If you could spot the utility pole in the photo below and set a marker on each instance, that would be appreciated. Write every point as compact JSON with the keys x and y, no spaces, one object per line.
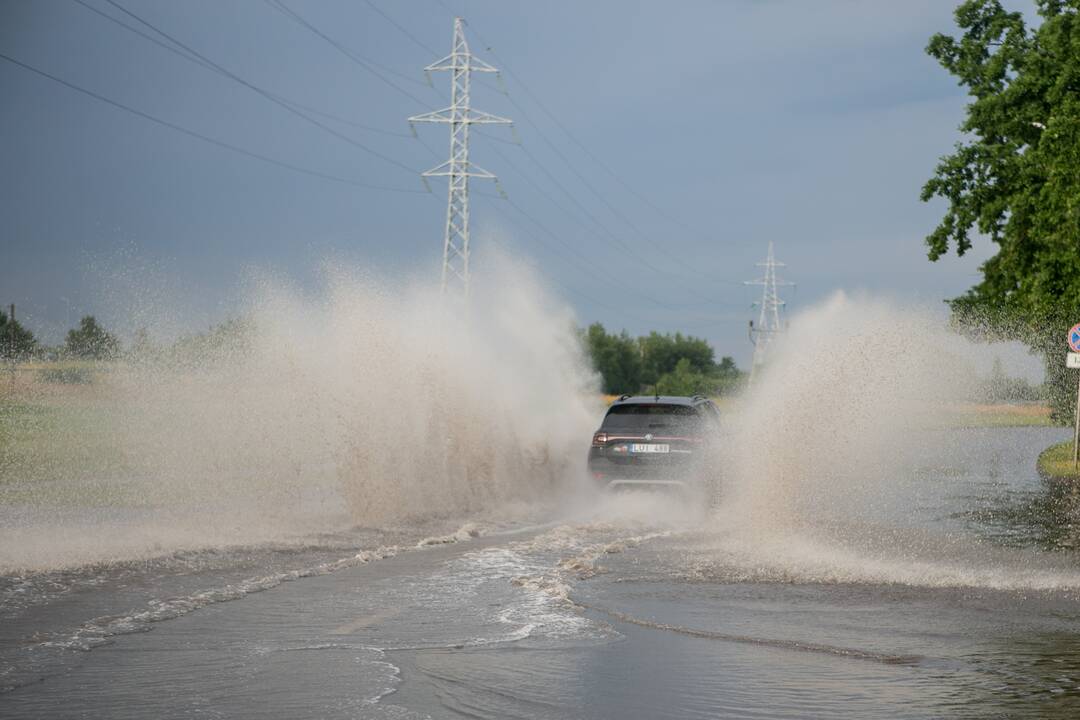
{"x":768,"y":326}
{"x":459,"y":116}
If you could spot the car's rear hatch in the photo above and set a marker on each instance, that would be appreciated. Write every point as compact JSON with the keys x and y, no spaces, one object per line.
{"x":646,"y":442}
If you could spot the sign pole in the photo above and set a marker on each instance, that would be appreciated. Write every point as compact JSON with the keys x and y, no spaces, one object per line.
{"x":1076,"y":430}
{"x":1073,"y":361}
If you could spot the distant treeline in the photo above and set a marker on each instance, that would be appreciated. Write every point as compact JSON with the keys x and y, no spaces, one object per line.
{"x":672,"y":364}
{"x":91,"y":341}
{"x":669,"y":364}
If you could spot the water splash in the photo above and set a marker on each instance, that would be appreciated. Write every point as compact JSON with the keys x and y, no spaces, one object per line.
{"x":365,"y":403}
{"x":840,"y":467}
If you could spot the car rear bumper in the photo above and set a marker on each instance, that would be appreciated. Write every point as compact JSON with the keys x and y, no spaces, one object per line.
{"x":678,"y":471}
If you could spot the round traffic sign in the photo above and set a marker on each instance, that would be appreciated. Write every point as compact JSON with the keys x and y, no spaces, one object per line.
{"x":1074,"y":338}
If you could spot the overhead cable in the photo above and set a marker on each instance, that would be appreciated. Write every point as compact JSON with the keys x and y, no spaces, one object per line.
{"x":197,"y":61}
{"x":266,"y":94}
{"x":351,"y":55}
{"x":205,"y":138}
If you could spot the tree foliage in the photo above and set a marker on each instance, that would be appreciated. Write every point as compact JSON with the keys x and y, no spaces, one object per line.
{"x":1016,"y":175}
{"x":685,"y":379}
{"x":15,"y":340}
{"x":727,"y":376}
{"x":660,"y":354}
{"x":669,"y":364}
{"x":91,"y":341}
{"x":616,"y":358}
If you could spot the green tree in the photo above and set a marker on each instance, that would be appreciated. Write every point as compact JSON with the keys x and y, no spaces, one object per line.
{"x":91,"y":341}
{"x":15,"y":340}
{"x":1016,"y":176}
{"x":685,"y":379}
{"x":615,"y":357}
{"x":727,"y":376}
{"x":660,"y":354}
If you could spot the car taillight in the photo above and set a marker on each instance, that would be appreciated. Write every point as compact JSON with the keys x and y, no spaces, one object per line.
{"x":599,"y":439}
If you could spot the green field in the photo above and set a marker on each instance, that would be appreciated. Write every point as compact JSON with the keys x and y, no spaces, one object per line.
{"x":977,"y":415}
{"x":59,"y":442}
{"x":62,"y":441}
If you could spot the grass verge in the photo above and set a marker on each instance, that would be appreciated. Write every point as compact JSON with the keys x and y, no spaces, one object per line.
{"x":1056,"y":462}
{"x":980,"y":415}
{"x":60,"y":449}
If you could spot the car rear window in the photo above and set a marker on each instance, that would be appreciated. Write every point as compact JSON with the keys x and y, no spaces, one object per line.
{"x":652,"y":416}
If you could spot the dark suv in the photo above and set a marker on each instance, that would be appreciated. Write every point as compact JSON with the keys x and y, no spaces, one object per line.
{"x":654,"y":441}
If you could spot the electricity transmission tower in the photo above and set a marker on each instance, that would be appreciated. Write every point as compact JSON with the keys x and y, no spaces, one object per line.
{"x":459,"y":116}
{"x":768,"y":327}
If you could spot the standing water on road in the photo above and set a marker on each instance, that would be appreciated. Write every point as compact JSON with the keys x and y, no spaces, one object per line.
{"x":865,"y":557}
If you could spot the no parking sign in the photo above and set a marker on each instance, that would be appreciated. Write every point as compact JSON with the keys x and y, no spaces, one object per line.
{"x":1072,"y":360}
{"x":1074,"y":338}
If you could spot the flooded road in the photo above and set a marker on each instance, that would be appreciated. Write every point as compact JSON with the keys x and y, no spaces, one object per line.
{"x":955,"y":592}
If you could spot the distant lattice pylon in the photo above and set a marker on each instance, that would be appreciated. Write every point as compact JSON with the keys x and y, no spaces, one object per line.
{"x":768,"y":327}
{"x":459,"y":116}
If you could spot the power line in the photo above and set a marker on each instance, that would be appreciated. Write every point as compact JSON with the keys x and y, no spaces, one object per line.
{"x":543,"y":193}
{"x":585,"y":262}
{"x":603,"y":228}
{"x":195,"y":60}
{"x":583,"y":295}
{"x":449,"y":11}
{"x":605,"y":232}
{"x":147,"y":36}
{"x":204,"y":138}
{"x":503,"y":141}
{"x":338,"y":118}
{"x":576,"y":219}
{"x":403,"y":31}
{"x":409,"y":35}
{"x":266,"y":94}
{"x":584,"y":148}
{"x":363,"y":62}
{"x":615,"y":211}
{"x":618,"y":213}
{"x":417,"y":42}
{"x":596,"y":222}
{"x":708,"y":323}
{"x":351,"y":54}
{"x":582,"y":267}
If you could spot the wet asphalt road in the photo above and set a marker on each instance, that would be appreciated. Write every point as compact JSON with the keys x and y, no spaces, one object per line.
{"x":968,"y":605}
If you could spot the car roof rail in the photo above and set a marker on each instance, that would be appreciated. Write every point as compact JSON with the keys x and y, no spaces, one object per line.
{"x":624,"y":396}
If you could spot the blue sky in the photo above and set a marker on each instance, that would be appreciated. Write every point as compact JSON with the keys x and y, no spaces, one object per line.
{"x":810,"y":123}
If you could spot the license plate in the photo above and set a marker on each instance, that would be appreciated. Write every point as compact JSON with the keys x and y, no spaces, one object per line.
{"x":649,"y":448}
